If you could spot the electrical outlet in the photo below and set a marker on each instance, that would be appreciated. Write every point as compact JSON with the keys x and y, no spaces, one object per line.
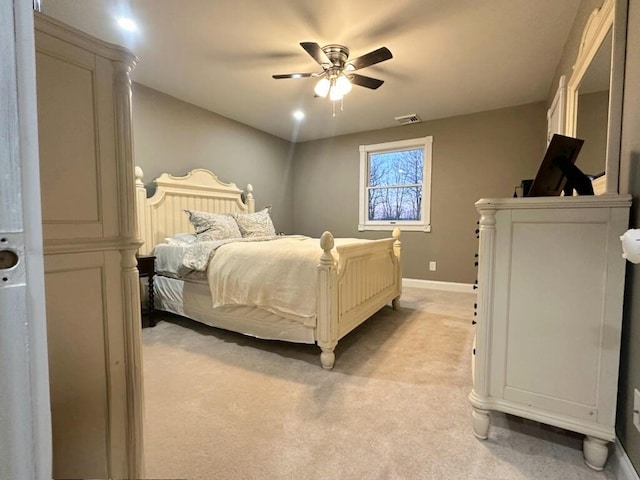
{"x":432,"y":266}
{"x":636,"y":408}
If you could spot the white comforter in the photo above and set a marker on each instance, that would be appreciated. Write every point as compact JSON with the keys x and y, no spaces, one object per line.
{"x":279,"y":275}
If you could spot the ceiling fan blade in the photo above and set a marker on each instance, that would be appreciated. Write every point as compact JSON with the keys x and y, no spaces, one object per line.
{"x":364,"y":81}
{"x":371,"y":58}
{"x":313,"y":49}
{"x":292,"y":75}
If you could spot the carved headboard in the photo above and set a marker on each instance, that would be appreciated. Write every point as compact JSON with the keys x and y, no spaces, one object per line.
{"x":162,"y":214}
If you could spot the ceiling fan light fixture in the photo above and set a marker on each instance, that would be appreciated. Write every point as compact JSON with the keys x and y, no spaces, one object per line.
{"x":322,"y":87}
{"x":335,"y":93}
{"x":343,"y":84}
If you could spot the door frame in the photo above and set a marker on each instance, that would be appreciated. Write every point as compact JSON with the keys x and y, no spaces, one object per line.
{"x":25,"y":418}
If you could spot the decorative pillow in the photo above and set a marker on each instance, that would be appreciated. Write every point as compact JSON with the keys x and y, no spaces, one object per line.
{"x":213,"y":226}
{"x":257,"y":224}
{"x":181,"y":239}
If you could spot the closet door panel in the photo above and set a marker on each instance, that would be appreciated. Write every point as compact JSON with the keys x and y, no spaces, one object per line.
{"x":69,"y":161}
{"x":77,"y":142}
{"x":77,"y":352}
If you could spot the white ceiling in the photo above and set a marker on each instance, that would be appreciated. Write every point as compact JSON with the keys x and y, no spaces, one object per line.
{"x":451,"y":57}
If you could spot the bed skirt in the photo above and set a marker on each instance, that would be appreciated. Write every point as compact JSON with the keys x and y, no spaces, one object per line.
{"x":193,"y":300}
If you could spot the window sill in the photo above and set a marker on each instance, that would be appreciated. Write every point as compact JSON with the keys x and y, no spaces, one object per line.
{"x":403,"y":228}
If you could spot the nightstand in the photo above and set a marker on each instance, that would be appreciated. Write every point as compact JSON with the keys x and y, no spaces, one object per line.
{"x":147,"y":268}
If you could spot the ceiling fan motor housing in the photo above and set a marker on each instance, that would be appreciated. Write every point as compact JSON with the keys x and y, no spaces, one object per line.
{"x":337,"y":54}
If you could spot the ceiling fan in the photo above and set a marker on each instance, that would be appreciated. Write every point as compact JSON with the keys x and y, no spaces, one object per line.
{"x":337,"y":77}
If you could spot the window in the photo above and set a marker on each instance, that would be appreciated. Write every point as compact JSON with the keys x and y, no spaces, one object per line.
{"x":395,"y":185}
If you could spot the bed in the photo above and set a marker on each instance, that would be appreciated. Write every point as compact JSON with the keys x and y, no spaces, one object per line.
{"x":352,"y":278}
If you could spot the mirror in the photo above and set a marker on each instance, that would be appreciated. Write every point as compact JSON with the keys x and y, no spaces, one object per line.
{"x":588,"y":99}
{"x":593,"y":110}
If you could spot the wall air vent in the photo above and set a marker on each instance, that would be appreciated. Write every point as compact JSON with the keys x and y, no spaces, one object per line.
{"x":407,"y":119}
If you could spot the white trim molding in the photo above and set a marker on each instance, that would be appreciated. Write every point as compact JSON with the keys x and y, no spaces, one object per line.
{"x":556,"y":115}
{"x":437,"y":285}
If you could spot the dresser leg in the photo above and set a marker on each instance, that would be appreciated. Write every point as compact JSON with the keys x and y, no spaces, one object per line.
{"x":481,"y":422}
{"x":595,"y":452}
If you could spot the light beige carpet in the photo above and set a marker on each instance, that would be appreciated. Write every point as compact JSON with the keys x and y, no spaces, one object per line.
{"x":224,"y":406}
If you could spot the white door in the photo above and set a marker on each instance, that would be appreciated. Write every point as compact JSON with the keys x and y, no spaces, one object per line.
{"x":25,"y":420}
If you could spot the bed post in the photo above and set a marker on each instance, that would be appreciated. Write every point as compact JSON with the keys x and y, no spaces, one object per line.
{"x":141,"y":212}
{"x":249,"y":200}
{"x":397,"y":248}
{"x":327,"y":327}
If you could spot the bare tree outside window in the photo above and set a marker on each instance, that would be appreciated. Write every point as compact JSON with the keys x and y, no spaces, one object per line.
{"x":395,"y":185}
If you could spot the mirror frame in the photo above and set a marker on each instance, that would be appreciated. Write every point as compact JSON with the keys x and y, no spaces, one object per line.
{"x":556,"y":115}
{"x":611,"y":16}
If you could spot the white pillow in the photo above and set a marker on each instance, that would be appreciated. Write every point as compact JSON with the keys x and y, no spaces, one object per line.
{"x":253,"y":225}
{"x":213,"y":226}
{"x":181,"y":239}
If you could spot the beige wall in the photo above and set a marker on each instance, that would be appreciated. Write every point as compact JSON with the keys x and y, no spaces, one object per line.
{"x":630,"y":183}
{"x":481,"y":155}
{"x":313,"y":186}
{"x":173,"y":136}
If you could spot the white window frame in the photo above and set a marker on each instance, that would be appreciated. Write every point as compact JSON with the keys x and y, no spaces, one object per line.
{"x":424,"y":225}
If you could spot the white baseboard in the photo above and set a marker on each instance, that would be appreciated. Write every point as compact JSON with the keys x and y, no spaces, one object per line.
{"x":621,"y":465}
{"x":436,"y":285}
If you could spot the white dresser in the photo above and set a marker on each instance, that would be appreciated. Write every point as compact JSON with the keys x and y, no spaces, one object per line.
{"x":549,"y":314}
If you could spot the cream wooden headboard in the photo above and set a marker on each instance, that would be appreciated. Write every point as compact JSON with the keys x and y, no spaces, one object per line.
{"x":599,"y":185}
{"x":162,"y":215}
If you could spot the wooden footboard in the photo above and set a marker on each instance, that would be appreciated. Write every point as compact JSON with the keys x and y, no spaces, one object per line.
{"x":364,"y":278}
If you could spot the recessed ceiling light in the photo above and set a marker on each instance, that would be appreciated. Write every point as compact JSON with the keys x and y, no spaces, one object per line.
{"x":298,"y":114}
{"x":127,"y":24}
